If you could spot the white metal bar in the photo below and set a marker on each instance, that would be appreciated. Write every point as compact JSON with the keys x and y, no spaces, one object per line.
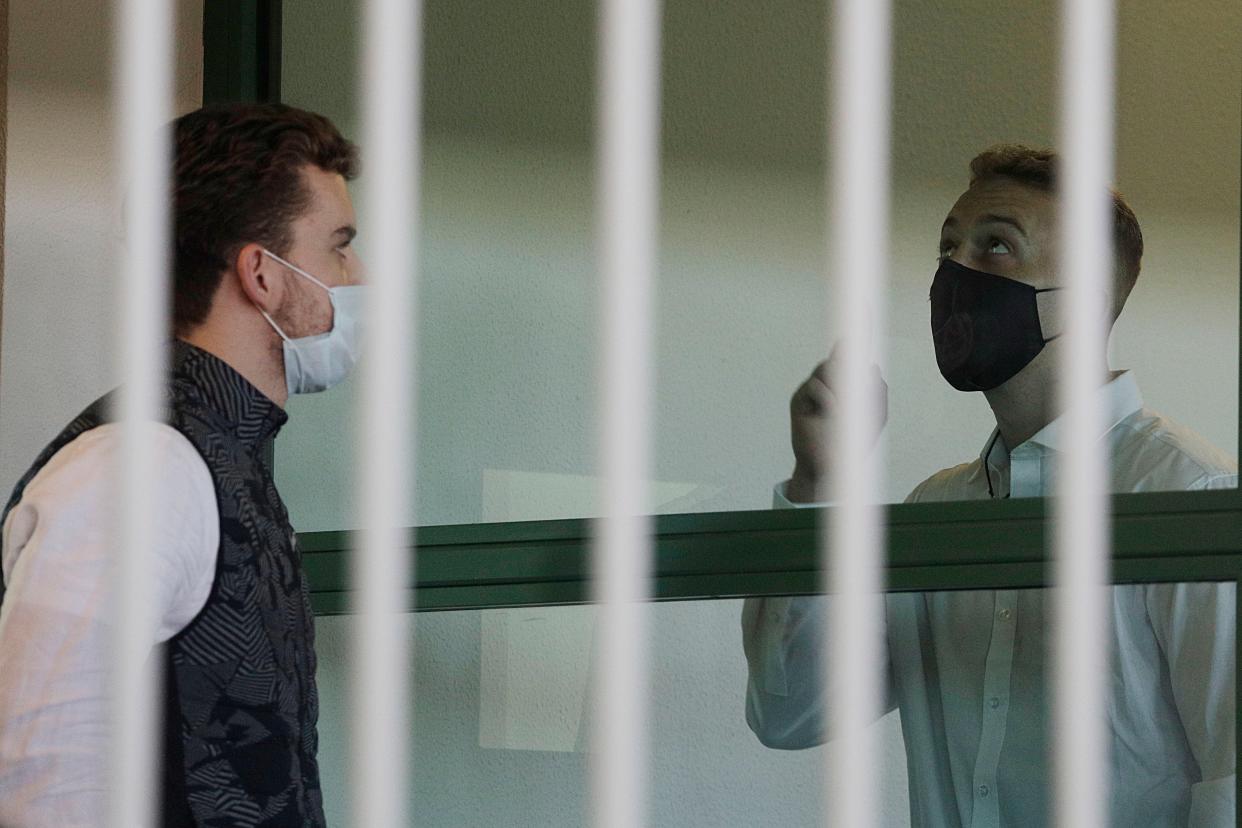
{"x":143,"y":89}
{"x":628,"y":206}
{"x":1081,"y":597}
{"x":380,"y":697}
{"x":852,"y":544}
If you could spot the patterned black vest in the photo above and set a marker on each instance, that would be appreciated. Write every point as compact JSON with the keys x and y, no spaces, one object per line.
{"x":240,"y":678}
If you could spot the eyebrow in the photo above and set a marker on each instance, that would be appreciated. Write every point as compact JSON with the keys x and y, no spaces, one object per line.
{"x":988,"y":218}
{"x":348,"y":231}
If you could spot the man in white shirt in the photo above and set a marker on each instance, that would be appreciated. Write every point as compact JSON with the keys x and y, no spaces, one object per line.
{"x":265,"y":305}
{"x":966,"y":669}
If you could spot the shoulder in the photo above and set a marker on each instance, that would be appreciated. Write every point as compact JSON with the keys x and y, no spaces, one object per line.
{"x":94,"y":451}
{"x":56,"y":542}
{"x":952,"y":483}
{"x":80,"y":480}
{"x":1153,"y":453}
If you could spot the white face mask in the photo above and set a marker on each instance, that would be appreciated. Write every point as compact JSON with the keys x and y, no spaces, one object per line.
{"x":316,"y":363}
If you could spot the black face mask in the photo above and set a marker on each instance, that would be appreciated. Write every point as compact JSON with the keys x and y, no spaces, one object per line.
{"x":985,"y":327}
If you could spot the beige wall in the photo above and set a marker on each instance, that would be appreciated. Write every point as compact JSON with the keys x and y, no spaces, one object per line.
{"x":61,"y":213}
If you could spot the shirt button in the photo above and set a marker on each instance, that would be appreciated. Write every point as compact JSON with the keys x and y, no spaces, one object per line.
{"x":984,"y":790}
{"x":994,"y":702}
{"x":1004,"y":614}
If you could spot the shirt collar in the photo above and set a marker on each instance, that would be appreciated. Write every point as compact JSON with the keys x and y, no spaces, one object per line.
{"x":1119,"y":398}
{"x":252,"y":416}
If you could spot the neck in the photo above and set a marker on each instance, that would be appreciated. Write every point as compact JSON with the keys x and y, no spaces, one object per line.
{"x":1030,"y":400}
{"x":1020,"y":412}
{"x":249,"y":353}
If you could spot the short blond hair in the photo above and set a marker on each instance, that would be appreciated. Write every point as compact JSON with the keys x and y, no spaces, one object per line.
{"x":1037,"y":168}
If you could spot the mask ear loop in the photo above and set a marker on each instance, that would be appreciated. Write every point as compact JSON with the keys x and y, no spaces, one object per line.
{"x":296,"y":270}
{"x":987,"y":456}
{"x":1047,"y":290}
{"x":271,"y":322}
{"x":302,"y":272}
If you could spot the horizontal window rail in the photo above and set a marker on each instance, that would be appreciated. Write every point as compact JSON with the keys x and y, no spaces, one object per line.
{"x":1166,"y":536}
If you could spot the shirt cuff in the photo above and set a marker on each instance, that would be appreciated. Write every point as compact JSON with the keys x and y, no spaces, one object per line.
{"x":780,"y":501}
{"x":1211,"y":803}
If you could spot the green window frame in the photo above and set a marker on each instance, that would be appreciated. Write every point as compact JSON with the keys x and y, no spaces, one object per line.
{"x":1184,"y":536}
{"x":1157,"y":537}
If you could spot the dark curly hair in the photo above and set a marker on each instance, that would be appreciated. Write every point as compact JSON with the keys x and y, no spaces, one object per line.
{"x":1037,"y":168}
{"x":237,"y":180}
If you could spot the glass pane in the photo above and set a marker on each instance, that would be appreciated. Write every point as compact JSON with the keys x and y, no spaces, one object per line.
{"x":503,"y":715}
{"x":502,"y":711}
{"x":969,"y":75}
{"x":506,"y":329}
{"x":968,"y":676}
{"x":508,"y":319}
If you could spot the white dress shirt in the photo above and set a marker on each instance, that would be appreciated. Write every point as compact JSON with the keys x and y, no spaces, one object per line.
{"x":966,"y":669}
{"x":55,"y":634}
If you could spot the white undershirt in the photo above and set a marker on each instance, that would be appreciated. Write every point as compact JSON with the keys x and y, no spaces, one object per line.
{"x":54,"y":622}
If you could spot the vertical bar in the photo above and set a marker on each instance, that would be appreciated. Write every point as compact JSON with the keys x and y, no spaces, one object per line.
{"x":1237,"y":688}
{"x":380,"y":701}
{"x":270,"y":62}
{"x":852,"y":545}
{"x":1081,"y":597}
{"x":143,"y":62}
{"x":627,"y":215}
{"x":4,"y":143}
{"x":241,"y":50}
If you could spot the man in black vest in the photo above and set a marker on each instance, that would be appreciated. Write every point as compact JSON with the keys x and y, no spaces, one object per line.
{"x":265,"y":305}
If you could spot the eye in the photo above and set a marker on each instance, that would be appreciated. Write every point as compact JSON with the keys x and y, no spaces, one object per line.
{"x":998,"y":247}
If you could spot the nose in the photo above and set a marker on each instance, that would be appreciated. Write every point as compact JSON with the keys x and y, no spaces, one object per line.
{"x":355,"y":270}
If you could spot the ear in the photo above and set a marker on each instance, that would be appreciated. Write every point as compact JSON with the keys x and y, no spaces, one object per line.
{"x":258,"y":277}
